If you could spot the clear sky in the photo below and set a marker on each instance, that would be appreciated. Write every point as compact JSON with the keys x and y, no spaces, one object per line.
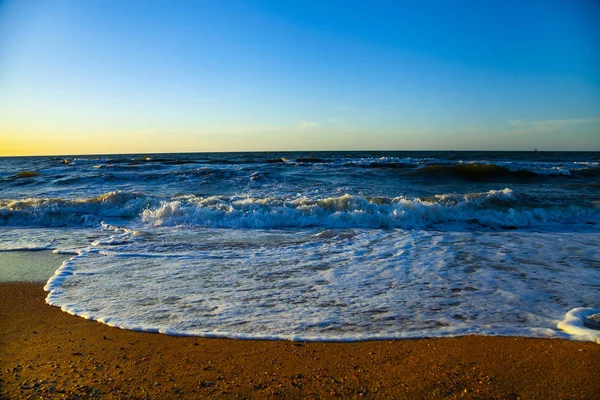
{"x":115,"y":76}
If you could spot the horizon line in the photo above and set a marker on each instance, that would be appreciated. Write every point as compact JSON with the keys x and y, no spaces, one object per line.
{"x":297,"y":151}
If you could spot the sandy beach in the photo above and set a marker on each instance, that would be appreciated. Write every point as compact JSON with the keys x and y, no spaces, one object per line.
{"x":46,"y":353}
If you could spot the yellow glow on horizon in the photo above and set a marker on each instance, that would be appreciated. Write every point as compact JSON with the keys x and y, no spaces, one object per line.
{"x":56,"y":144}
{"x":297,"y":136}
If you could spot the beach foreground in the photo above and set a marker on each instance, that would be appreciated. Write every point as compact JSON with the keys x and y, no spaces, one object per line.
{"x":45,"y":352}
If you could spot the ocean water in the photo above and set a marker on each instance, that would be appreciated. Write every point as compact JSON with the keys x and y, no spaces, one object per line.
{"x":336,"y":246}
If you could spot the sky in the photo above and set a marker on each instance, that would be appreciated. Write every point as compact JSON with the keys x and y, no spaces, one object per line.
{"x":113,"y":76}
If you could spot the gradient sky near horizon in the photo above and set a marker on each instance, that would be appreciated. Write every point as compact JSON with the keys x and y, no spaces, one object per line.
{"x":113,"y":76}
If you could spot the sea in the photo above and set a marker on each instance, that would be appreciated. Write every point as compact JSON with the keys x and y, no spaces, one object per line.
{"x":316,"y":246}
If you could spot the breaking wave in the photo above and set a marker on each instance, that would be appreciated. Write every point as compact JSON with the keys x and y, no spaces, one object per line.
{"x":496,"y":208}
{"x":492,"y":209}
{"x":72,"y":212}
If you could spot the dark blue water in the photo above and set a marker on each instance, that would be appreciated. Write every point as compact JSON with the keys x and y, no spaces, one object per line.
{"x":565,"y":183}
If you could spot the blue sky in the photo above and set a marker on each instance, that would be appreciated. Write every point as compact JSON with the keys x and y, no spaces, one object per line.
{"x":156,"y":76}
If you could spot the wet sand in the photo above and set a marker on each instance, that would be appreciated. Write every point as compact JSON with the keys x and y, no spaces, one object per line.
{"x":46,"y":353}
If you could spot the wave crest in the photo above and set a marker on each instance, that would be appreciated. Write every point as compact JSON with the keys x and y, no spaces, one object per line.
{"x":496,"y":208}
{"x":492,"y":209}
{"x":72,"y":212}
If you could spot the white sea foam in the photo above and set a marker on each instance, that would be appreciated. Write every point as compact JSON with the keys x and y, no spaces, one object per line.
{"x":340,"y":285}
{"x":72,"y":212}
{"x":573,"y":324}
{"x":495,"y":209}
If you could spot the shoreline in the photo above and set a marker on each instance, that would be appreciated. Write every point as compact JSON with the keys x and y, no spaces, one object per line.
{"x":45,"y":352}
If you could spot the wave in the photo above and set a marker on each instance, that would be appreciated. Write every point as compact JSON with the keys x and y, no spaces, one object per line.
{"x":105,"y":173}
{"x":390,"y":162}
{"x":430,"y":166}
{"x":492,"y":209}
{"x":310,"y":160}
{"x":486,"y":172}
{"x":482,"y":170}
{"x":72,"y":212}
{"x":88,"y":160}
{"x":495,"y":209}
{"x":588,"y":172}
{"x":124,"y":161}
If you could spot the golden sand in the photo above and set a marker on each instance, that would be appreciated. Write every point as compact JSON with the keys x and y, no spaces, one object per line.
{"x":46,"y":353}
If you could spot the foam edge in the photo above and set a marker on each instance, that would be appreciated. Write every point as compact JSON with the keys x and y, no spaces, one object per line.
{"x":573,"y":325}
